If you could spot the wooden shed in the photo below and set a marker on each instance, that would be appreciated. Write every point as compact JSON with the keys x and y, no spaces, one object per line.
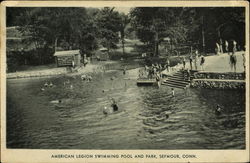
{"x":102,"y":54}
{"x":68,"y":58}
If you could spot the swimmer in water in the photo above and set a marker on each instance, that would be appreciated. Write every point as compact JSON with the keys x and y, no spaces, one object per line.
{"x":105,"y":112}
{"x":46,"y":84}
{"x":114,"y":105}
{"x":50,"y":84}
{"x":218,"y":110}
{"x":56,"y":101}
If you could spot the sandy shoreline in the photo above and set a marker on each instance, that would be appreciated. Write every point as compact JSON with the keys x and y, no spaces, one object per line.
{"x":89,"y":68}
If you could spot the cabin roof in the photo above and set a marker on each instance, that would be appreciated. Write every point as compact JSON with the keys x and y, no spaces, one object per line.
{"x":66,"y":53}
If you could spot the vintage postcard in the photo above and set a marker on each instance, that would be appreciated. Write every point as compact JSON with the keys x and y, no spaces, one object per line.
{"x":124,"y":81}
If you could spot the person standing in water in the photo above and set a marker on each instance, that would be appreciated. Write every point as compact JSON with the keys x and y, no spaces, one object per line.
{"x":173,"y":92}
{"x":218,"y":110}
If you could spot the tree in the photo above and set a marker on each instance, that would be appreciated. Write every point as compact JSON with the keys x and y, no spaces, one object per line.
{"x":108,"y":22}
{"x":154,"y":23}
{"x":125,"y":20}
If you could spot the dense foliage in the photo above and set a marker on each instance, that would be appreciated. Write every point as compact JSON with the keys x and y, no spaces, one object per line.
{"x":90,"y":28}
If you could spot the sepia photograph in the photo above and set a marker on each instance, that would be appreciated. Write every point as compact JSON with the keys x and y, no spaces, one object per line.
{"x":126,"y":78}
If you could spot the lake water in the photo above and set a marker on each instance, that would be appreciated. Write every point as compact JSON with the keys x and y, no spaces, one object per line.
{"x":79,"y":123}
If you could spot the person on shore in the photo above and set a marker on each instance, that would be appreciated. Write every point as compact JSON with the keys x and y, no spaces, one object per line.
{"x":221,"y":43}
{"x":184,"y":62}
{"x":190,"y":61}
{"x":167,"y":65}
{"x":85,"y":61}
{"x":244,"y":62}
{"x":124,"y":70}
{"x":202,"y":62}
{"x":226,"y":46}
{"x":217,"y":48}
{"x":233,"y":62}
{"x":196,"y":59}
{"x":234,"y":46}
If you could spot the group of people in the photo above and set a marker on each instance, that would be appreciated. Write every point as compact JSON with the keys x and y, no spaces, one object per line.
{"x":151,"y":72}
{"x":46,"y":85}
{"x":226,"y":46}
{"x":196,"y":59}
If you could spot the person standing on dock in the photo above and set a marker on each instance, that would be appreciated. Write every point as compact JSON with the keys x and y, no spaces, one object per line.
{"x":167,"y":64}
{"x":158,"y":79}
{"x":184,"y":62}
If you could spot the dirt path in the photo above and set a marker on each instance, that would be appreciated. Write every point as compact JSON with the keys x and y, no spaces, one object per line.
{"x":215,"y":63}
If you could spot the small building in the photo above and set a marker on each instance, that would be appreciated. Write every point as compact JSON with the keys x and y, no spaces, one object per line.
{"x":102,"y":54}
{"x":68,"y":58}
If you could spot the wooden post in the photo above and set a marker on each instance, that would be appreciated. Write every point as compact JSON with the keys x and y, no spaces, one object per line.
{"x":203,"y":36}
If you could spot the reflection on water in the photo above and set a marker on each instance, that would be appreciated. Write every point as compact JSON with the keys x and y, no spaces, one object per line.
{"x":149,"y":118}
